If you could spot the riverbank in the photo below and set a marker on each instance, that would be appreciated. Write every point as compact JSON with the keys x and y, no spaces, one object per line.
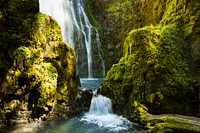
{"x":165,"y":122}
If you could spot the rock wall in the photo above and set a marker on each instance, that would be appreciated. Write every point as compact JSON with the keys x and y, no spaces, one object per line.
{"x":159,"y":42}
{"x":118,"y":18}
{"x":37,"y":69}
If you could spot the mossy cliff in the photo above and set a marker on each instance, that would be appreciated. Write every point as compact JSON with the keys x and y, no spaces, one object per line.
{"x":118,"y":18}
{"x":160,"y":60}
{"x":152,"y":71}
{"x":37,"y":69}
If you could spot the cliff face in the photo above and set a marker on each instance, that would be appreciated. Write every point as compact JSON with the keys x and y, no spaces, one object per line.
{"x":117,"y":19}
{"x":159,"y":42}
{"x":37,"y":69}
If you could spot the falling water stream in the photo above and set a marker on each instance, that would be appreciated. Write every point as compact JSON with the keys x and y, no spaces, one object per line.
{"x":99,"y":118}
{"x":79,"y":33}
{"x":100,"y":112}
{"x":101,"y":115}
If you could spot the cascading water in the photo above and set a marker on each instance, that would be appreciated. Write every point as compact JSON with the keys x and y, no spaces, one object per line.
{"x":101,"y":114}
{"x":100,"y":52}
{"x":78,"y":32}
{"x":100,"y":105}
{"x":99,"y":118}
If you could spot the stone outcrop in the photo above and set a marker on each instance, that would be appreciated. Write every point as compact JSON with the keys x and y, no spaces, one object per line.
{"x":165,"y":122}
{"x":118,"y":18}
{"x":37,"y":69}
{"x":159,"y":64}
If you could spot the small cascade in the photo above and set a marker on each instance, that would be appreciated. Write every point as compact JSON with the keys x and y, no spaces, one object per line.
{"x":99,"y":119}
{"x":78,"y":32}
{"x":101,"y":114}
{"x":100,"y":105}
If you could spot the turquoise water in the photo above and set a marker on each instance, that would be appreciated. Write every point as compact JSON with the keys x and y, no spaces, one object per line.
{"x":99,"y":119}
{"x":79,"y":125}
{"x":91,"y":83}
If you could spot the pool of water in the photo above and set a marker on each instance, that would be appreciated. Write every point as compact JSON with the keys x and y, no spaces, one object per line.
{"x":80,"y":124}
{"x":91,"y":83}
{"x":99,"y":119}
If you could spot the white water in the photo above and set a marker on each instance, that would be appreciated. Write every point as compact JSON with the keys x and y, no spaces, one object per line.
{"x":76,"y":30}
{"x":60,"y":11}
{"x":100,"y":105}
{"x":99,"y":119}
{"x":100,"y":53}
{"x":101,"y":114}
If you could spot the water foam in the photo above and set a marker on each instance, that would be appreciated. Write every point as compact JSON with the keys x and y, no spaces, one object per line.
{"x":77,"y":31}
{"x":101,"y":114}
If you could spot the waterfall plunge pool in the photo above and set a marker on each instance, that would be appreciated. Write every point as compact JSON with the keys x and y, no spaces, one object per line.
{"x":99,"y":119}
{"x":91,"y":83}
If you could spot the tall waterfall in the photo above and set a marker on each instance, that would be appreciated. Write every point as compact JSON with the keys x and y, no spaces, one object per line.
{"x":78,"y":32}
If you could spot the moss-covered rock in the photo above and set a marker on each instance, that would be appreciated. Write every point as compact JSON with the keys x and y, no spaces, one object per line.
{"x":37,"y":69}
{"x":122,"y":16}
{"x":160,"y":55}
{"x":152,"y":71}
{"x":159,"y":66}
{"x":164,"y":122}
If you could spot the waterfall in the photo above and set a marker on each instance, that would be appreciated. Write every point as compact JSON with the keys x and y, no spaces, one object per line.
{"x":100,"y":53}
{"x":101,"y":114}
{"x":77,"y":31}
{"x":100,"y":105}
{"x":60,"y":11}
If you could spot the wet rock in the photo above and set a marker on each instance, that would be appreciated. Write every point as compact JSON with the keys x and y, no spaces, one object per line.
{"x":165,"y":122}
{"x":196,"y":86}
{"x":37,"y":69}
{"x":83,"y":100}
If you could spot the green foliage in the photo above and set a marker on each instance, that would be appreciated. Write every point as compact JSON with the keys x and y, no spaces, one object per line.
{"x":164,"y":122}
{"x":90,"y":16}
{"x":10,"y":41}
{"x":65,"y":65}
{"x":16,"y":6}
{"x":160,"y":53}
{"x":152,"y":70}
{"x":121,"y":15}
{"x":35,"y":63}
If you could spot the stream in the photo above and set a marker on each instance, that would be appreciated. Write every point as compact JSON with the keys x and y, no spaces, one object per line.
{"x":99,"y":118}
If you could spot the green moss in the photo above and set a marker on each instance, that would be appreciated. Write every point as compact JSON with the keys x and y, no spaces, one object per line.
{"x":90,"y":15}
{"x":176,"y":123}
{"x":164,"y":122}
{"x":39,"y":66}
{"x":160,"y":44}
{"x":152,"y":70}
